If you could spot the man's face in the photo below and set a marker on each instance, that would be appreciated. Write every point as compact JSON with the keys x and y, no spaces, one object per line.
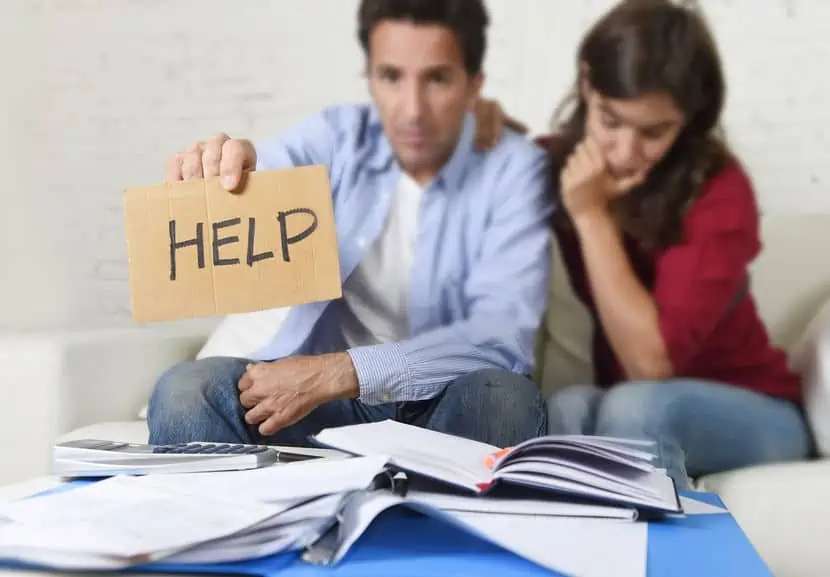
{"x":422,"y":90}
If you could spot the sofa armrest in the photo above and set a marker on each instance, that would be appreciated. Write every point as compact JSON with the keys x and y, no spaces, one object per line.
{"x":56,"y":382}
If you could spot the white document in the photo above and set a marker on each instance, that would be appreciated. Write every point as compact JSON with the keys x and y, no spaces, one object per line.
{"x":279,"y":483}
{"x":204,"y":517}
{"x":272,"y":543}
{"x":199,"y":517}
{"x":583,"y":547}
{"x":437,"y":455}
{"x":358,"y":511}
{"x":573,"y":546}
{"x":294,"y":522}
{"x":49,"y":547}
{"x":263,"y":541}
{"x":493,"y":505}
{"x":120,"y":521}
{"x":695,"y":507}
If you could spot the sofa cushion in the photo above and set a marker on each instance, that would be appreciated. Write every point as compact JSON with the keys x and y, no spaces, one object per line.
{"x":810,"y":356}
{"x":563,"y":352}
{"x":122,"y":431}
{"x":241,"y":335}
{"x":783,"y":510}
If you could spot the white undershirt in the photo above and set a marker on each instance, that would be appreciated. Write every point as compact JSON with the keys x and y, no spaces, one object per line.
{"x":376,"y":295}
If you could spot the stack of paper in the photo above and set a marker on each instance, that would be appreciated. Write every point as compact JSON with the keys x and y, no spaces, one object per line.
{"x":567,"y":545}
{"x":198,"y":518}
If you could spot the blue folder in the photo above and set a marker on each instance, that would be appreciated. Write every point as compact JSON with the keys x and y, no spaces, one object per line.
{"x":401,"y":544}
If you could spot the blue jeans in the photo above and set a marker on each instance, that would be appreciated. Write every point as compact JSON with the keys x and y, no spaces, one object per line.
{"x":700,"y":427}
{"x":199,"y":401}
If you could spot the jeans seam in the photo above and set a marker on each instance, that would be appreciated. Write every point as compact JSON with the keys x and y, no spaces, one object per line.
{"x":542,"y":417}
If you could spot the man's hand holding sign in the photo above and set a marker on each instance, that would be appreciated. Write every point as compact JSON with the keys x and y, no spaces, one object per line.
{"x":219,"y":238}
{"x":222,"y":156}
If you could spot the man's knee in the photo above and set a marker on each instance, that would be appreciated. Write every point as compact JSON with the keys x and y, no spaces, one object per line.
{"x":637,"y":409}
{"x":505,"y":408}
{"x":494,"y":388}
{"x":192,"y":391}
{"x":189,"y":383}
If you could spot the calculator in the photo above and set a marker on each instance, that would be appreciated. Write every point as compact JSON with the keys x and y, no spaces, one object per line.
{"x":101,"y":458}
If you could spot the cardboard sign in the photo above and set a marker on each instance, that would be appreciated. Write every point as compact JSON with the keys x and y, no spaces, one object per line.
{"x":196,"y":249}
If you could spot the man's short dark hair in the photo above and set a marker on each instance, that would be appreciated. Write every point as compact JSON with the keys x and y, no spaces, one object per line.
{"x":468,"y":20}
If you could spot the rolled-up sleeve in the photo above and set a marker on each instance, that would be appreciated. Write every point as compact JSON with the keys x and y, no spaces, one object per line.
{"x":699,"y":279}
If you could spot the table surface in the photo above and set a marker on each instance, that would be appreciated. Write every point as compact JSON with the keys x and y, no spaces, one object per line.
{"x":699,"y":545}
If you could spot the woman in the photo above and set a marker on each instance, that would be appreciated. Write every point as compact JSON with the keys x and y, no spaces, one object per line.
{"x":657,"y":223}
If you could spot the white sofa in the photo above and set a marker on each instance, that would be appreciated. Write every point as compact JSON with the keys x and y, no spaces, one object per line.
{"x":94,"y":383}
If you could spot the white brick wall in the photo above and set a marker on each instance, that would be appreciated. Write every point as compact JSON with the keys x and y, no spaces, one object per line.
{"x":100,"y":92}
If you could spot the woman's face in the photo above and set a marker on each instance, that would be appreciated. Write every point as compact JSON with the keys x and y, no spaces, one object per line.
{"x":634,"y":134}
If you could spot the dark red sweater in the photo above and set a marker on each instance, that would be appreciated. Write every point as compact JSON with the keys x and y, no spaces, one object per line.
{"x":711,"y":327}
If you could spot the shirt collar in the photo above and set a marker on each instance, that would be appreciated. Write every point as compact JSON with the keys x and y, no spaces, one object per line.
{"x":381,"y":155}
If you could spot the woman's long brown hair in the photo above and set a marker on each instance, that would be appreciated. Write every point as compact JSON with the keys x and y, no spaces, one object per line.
{"x":642,"y":47}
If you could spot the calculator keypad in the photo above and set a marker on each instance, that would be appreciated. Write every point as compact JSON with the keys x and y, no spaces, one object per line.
{"x":209,"y":449}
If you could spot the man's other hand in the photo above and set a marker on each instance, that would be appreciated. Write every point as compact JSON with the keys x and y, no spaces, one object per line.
{"x":491,"y":120}
{"x":222,"y":156}
{"x":281,"y":393}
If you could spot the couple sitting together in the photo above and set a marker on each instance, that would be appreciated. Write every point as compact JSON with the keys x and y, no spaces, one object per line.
{"x":445,"y":218}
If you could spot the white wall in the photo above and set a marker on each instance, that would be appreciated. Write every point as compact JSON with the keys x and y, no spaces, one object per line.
{"x":99,"y":92}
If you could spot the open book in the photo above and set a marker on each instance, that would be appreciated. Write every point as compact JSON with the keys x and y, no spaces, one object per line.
{"x":573,"y":467}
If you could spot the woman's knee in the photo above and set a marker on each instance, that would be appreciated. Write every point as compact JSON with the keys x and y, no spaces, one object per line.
{"x":572,"y":410}
{"x":637,"y":409}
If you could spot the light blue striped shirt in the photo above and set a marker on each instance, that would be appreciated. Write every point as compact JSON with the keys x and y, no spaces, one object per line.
{"x":481,"y":266}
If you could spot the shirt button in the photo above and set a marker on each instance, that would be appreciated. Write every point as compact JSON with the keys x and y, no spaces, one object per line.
{"x":386,"y":397}
{"x":361,"y":242}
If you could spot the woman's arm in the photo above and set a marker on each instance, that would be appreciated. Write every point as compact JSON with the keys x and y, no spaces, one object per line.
{"x":626,"y":309}
{"x":657,"y":335}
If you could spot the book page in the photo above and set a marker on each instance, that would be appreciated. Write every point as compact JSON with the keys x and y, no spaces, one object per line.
{"x":664,"y":500}
{"x":539,"y":507}
{"x":600,"y":456}
{"x":568,"y":545}
{"x":695,"y":507}
{"x":280,"y":482}
{"x":448,"y":458}
{"x":639,"y":485}
{"x":581,"y":547}
{"x":294,"y":529}
{"x":122,"y":518}
{"x":359,"y":510}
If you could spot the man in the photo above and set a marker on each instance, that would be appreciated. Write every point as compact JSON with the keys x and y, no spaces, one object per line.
{"x":444,"y":251}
